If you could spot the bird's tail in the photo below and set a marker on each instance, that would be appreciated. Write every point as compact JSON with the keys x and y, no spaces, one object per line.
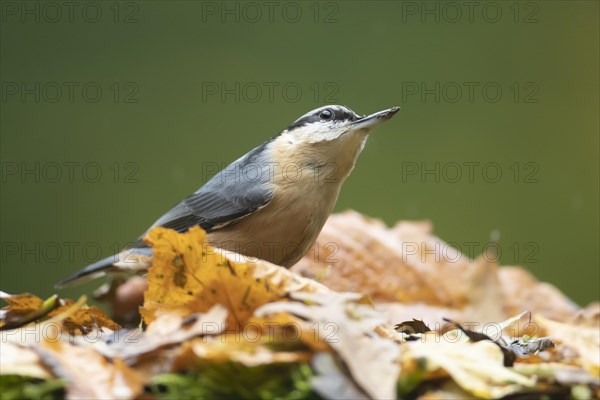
{"x":134,"y":259}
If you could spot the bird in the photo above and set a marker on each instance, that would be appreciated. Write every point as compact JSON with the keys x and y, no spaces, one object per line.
{"x":272,"y":202}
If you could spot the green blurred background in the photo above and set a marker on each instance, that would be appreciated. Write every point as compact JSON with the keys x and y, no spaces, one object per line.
{"x":169,"y":110}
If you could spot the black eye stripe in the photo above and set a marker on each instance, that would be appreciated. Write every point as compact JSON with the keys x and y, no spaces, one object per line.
{"x":339,"y":114}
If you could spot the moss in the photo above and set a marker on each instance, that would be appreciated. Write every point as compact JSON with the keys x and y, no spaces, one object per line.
{"x":235,"y":381}
{"x":22,"y":387}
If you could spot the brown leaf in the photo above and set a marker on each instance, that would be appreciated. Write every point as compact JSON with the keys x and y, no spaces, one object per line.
{"x":349,"y":328}
{"x":24,"y":308}
{"x":407,"y":264}
{"x":410,"y":327}
{"x":167,"y":329}
{"x":88,"y":374}
{"x":585,"y":340}
{"x":523,"y":291}
{"x":83,"y":319}
{"x":362,"y":250}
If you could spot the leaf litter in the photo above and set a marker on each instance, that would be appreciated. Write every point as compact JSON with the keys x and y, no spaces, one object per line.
{"x":385,"y":316}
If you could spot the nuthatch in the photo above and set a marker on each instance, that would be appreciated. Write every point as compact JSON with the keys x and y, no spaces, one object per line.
{"x":272,"y":202}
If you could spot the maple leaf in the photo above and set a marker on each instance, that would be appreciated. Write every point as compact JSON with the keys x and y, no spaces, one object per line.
{"x":188,"y":276}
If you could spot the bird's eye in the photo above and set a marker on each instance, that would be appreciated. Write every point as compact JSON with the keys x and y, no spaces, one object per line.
{"x":326,"y":115}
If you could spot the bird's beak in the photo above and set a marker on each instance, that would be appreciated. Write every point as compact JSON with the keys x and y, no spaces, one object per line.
{"x":370,"y":121}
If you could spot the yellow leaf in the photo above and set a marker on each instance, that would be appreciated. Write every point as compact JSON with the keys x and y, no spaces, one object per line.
{"x":188,"y":276}
{"x":285,"y":328}
{"x":82,"y":319}
{"x":231,"y":348}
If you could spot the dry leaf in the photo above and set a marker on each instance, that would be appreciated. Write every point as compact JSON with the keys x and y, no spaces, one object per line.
{"x":230,"y":347}
{"x":563,"y":373}
{"x":24,"y":308}
{"x":523,"y":291}
{"x":187,"y":276}
{"x":167,"y":329}
{"x":360,"y":250}
{"x":89,"y":374}
{"x":286,"y":329}
{"x":511,"y":348}
{"x":21,"y":360}
{"x":585,"y":340}
{"x":353,"y":252}
{"x":330,"y":382}
{"x":349,"y":328}
{"x":448,"y":390}
{"x":414,"y":326}
{"x":478,"y":368}
{"x":83,"y":319}
{"x":589,"y":316}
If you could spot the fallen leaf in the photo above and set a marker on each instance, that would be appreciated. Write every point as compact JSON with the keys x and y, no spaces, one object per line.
{"x":21,"y":360}
{"x":478,"y":368}
{"x":353,"y":252}
{"x":349,"y":328}
{"x":230,"y":348}
{"x":523,"y":291}
{"x":361,"y":250}
{"x":414,"y":326}
{"x":585,"y":340}
{"x":565,"y":374}
{"x":330,"y":382}
{"x":89,"y":374}
{"x":188,"y":276}
{"x":448,"y":390}
{"x":285,"y":330}
{"x":24,"y":308}
{"x":81,"y":319}
{"x":167,"y":329}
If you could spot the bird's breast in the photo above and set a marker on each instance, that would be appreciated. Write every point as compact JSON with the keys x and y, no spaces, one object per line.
{"x":306,"y":182}
{"x":282,"y":231}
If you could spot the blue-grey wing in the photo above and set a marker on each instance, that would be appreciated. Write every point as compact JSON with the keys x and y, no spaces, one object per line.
{"x":237,"y":191}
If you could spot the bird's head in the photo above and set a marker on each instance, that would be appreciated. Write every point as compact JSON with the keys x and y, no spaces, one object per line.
{"x":333,"y":122}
